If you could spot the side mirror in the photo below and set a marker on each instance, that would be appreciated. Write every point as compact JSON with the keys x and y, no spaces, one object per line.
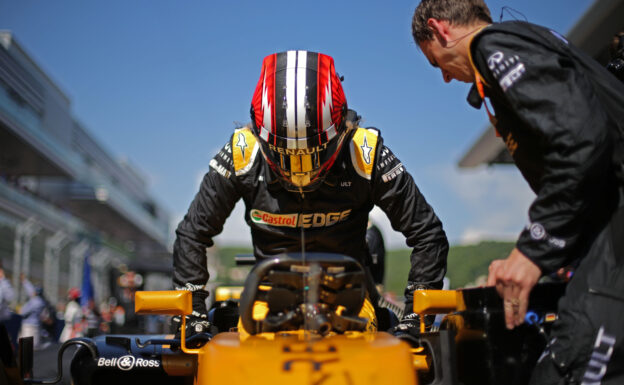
{"x":435,"y":301}
{"x":170,"y":302}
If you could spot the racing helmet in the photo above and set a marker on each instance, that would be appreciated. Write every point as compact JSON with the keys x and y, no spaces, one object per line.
{"x":298,"y":114}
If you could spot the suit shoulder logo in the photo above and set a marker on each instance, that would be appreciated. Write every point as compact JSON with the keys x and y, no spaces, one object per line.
{"x":244,"y":150}
{"x":366,"y":151}
{"x":242,"y":144}
{"x":363,"y":147}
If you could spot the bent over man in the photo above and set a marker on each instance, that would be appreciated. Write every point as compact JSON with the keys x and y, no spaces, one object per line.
{"x":309,"y":175}
{"x":561,"y":116}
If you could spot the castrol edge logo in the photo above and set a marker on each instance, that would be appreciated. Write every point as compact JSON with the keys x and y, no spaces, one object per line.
{"x":128,"y":362}
{"x":299,"y":220}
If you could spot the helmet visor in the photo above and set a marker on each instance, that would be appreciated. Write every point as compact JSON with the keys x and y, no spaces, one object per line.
{"x":302,"y":169}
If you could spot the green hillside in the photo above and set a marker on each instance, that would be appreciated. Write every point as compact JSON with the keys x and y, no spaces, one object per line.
{"x":465,"y":263}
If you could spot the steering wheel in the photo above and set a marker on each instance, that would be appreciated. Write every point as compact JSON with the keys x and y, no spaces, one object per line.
{"x":323,"y":283}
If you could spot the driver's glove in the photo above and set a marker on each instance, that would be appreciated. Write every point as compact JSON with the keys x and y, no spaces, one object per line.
{"x":197,"y":322}
{"x":408,"y":325}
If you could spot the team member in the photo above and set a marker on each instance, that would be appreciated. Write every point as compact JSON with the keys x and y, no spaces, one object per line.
{"x":309,"y":175}
{"x":561,"y":116}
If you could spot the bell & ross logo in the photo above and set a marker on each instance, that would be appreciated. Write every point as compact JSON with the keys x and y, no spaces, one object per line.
{"x":127,"y":362}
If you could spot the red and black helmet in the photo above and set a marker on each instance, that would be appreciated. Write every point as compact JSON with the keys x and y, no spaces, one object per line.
{"x":298,"y":113}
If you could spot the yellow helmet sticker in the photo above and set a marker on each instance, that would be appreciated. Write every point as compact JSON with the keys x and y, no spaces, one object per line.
{"x":301,"y":165}
{"x":244,"y":150}
{"x":363,"y":147}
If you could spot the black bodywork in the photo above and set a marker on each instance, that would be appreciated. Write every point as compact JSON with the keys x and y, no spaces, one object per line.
{"x":473,"y":347}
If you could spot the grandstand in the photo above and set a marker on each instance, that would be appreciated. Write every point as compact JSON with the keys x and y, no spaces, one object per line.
{"x":62,"y":195}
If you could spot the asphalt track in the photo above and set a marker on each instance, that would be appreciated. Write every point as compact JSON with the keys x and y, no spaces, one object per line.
{"x":45,"y":363}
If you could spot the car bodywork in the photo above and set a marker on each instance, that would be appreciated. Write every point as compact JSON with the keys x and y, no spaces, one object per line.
{"x":310,"y":331}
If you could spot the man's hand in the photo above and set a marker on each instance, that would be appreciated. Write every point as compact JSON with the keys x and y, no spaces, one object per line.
{"x":197,"y":321}
{"x":514,"y":278}
{"x":409,"y":325}
{"x":195,"y":324}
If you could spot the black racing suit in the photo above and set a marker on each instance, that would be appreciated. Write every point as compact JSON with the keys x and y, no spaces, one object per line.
{"x":334,"y":216}
{"x":561,"y":116}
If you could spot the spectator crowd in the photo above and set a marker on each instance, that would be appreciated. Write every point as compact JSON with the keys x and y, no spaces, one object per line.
{"x":34,"y":316}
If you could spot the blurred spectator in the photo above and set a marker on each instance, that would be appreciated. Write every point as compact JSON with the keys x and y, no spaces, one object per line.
{"x":119,"y":315}
{"x":49,"y":320}
{"x":91,"y":318}
{"x":7,"y":294}
{"x":28,"y":287}
{"x":106,"y":313}
{"x":8,"y":318}
{"x":31,"y":313}
{"x":72,"y":316}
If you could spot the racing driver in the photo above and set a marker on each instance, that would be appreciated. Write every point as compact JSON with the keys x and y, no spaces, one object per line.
{"x":309,"y":176}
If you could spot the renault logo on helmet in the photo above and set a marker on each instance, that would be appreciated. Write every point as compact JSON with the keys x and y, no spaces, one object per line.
{"x":298,"y":151}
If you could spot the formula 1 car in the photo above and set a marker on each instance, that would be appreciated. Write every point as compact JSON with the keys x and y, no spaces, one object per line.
{"x":301,"y":322}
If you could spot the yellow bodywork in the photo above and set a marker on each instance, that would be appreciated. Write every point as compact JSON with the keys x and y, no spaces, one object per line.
{"x":436,"y":302}
{"x":170,"y":302}
{"x":292,"y":358}
{"x":301,"y":357}
{"x":228,"y":292}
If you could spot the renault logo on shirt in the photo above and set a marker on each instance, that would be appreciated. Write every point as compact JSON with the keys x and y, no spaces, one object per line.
{"x":299,"y":220}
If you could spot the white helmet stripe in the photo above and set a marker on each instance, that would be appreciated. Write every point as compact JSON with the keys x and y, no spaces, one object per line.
{"x":266,"y":106}
{"x":326,"y":108}
{"x":264,"y":134}
{"x":291,"y":102}
{"x":331,"y":132}
{"x":301,"y":97}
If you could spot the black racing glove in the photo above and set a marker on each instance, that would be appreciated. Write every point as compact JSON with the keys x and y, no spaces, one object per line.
{"x":197,"y":322}
{"x":408,"y":325}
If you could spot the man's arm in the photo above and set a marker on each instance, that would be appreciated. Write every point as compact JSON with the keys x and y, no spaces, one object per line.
{"x":398,"y":196}
{"x":213,"y":203}
{"x":29,"y":288}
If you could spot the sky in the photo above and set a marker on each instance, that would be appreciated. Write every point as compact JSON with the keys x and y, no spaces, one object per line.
{"x":162,"y":84}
